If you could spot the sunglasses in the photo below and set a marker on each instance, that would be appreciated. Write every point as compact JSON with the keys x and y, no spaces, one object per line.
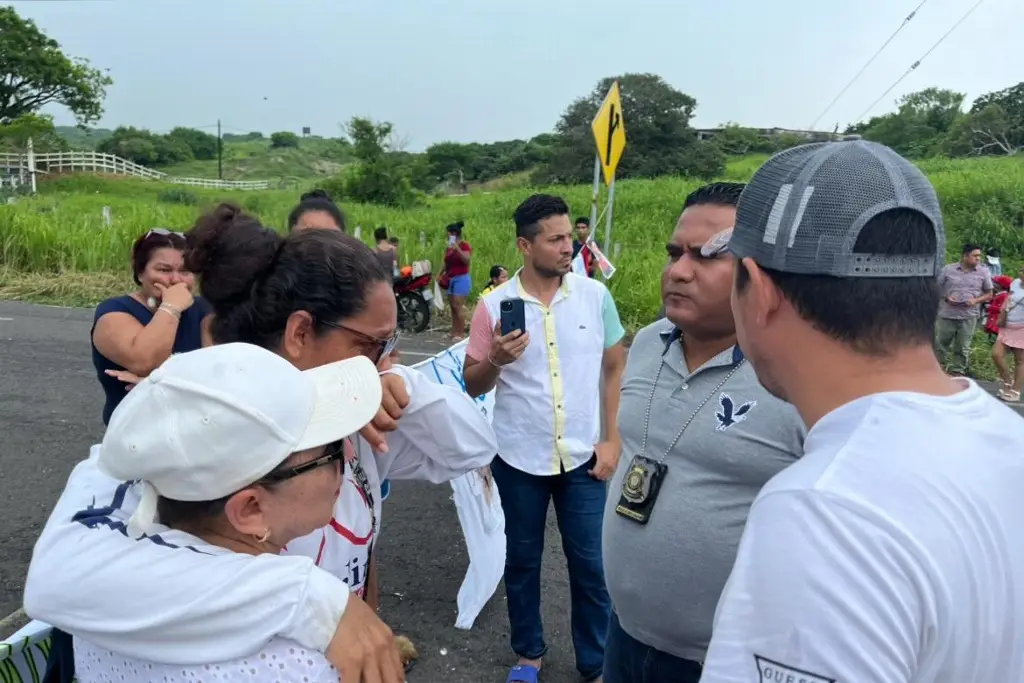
{"x":163,"y":232}
{"x":332,"y":453}
{"x":384,"y":346}
{"x":717,"y":245}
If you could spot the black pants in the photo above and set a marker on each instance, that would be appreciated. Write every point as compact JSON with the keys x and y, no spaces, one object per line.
{"x":60,"y":665}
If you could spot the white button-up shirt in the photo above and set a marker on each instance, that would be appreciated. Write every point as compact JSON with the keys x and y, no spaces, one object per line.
{"x":547,"y":403}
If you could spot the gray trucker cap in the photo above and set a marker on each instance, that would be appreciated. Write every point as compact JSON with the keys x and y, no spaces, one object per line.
{"x":805,"y":207}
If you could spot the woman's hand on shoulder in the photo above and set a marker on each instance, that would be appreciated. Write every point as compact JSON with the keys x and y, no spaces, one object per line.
{"x":129,"y":378}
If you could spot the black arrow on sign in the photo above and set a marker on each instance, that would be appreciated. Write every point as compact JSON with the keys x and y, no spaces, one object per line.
{"x":614,"y":120}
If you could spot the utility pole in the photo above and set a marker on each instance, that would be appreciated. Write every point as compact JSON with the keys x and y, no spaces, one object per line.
{"x":220,"y":153}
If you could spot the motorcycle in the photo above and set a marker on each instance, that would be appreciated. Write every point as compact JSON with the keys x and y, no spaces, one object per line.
{"x":413,"y":296}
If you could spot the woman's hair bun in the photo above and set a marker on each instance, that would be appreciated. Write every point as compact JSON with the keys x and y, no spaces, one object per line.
{"x":315,"y":194}
{"x":229,"y":249}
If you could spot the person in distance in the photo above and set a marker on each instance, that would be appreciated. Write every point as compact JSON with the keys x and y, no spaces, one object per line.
{"x":316,"y":211}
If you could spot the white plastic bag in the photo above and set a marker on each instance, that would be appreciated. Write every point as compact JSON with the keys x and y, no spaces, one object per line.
{"x":483,"y":526}
{"x":477,"y":503}
{"x":437,"y":301}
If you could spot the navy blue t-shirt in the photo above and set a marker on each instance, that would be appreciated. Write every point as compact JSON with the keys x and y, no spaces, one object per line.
{"x":188,"y":338}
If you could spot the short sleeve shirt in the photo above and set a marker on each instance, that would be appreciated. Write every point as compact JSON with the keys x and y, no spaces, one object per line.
{"x":960,"y":284}
{"x":187,"y":338}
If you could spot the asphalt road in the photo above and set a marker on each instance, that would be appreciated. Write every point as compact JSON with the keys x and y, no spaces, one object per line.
{"x":50,"y":406}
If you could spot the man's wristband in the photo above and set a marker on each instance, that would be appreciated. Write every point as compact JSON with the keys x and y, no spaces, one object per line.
{"x":491,"y":361}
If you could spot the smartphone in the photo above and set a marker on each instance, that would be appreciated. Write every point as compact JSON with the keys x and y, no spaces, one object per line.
{"x":513,"y":316}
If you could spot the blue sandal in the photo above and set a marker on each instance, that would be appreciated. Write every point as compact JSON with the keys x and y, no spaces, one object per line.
{"x":523,"y":673}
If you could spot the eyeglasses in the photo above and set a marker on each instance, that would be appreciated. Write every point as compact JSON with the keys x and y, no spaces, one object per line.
{"x":386,"y":346}
{"x":717,"y":245}
{"x":333,"y":452}
{"x":163,"y":232}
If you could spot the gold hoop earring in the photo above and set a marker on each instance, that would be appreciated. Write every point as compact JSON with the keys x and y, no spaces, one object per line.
{"x":264,"y":537}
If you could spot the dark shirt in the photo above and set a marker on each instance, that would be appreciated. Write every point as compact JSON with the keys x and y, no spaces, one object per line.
{"x":188,"y":338}
{"x":387,"y":260}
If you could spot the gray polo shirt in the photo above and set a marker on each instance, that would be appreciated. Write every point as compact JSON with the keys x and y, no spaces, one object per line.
{"x":665,"y":577}
{"x":962,"y":284}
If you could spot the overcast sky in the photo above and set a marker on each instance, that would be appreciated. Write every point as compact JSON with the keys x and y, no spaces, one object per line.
{"x":484,"y":70}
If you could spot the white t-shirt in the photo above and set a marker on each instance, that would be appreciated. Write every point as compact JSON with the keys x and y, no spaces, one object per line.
{"x":892,"y":552}
{"x":1015,"y":304}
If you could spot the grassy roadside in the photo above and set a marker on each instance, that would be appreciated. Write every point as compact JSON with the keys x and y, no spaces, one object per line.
{"x":61,"y":289}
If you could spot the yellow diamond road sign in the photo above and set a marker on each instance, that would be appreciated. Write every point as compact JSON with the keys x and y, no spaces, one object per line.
{"x":610,"y":133}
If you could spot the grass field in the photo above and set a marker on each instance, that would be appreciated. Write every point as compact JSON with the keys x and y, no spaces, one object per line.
{"x":56,"y":248}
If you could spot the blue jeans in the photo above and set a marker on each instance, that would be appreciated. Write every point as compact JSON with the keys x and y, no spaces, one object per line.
{"x":627,"y":660}
{"x":579,"y":508}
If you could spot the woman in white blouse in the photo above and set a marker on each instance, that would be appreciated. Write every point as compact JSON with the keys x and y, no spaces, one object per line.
{"x":243,"y":453}
{"x":313,"y":297}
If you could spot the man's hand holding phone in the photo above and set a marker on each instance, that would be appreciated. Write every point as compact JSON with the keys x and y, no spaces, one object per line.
{"x":507,"y":348}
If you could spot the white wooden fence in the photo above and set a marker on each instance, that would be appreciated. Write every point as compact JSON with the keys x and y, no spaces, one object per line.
{"x":16,"y":169}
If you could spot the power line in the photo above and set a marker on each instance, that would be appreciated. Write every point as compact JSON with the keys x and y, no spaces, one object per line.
{"x":922,"y":58}
{"x":869,"y":62}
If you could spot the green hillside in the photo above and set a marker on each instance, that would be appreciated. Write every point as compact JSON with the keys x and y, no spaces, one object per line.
{"x":244,"y":158}
{"x":315,"y":157}
{"x":83,"y":139}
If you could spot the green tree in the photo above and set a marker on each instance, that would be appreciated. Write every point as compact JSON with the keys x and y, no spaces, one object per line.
{"x":736,"y":140}
{"x":234,"y":137}
{"x":920,"y":124}
{"x":379,"y":176}
{"x":986,"y":132}
{"x":144,"y":147}
{"x":132,"y":144}
{"x":1011,"y":103}
{"x":283,"y":139}
{"x":15,"y":134}
{"x":34,"y":72}
{"x":461,"y":163}
{"x":171,"y":150}
{"x":203,"y":145}
{"x":659,"y":139}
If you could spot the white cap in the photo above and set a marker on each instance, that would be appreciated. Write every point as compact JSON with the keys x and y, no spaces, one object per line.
{"x":210,"y":422}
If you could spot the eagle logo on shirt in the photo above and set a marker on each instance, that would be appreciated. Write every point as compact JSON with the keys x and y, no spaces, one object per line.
{"x":729,"y":414}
